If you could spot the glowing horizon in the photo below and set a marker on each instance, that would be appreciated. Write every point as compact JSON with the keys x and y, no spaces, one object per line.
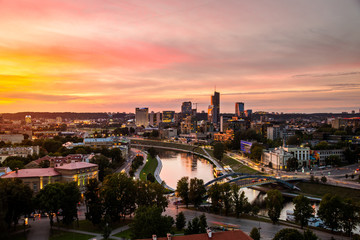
{"x":113,"y":56}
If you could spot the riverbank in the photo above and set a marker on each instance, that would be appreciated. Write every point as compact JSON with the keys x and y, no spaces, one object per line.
{"x":319,"y":190}
{"x":150,"y":167}
{"x":197,"y":150}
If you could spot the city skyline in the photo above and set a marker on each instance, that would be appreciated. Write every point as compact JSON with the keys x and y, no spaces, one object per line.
{"x":104,"y":56}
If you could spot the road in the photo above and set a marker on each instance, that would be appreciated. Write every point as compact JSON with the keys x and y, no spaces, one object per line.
{"x":267,"y":231}
{"x":335,"y":176}
{"x":127,"y":165}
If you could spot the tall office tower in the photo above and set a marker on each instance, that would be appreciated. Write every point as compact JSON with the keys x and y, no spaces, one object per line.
{"x":186,"y":109}
{"x":158,"y":118}
{"x":215,"y":109}
{"x":151,"y":118}
{"x":142,"y":116}
{"x":248,"y":114}
{"x":168,"y":116}
{"x":239,"y":109}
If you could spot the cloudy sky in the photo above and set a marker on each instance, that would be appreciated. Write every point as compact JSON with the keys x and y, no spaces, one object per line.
{"x":115,"y":55}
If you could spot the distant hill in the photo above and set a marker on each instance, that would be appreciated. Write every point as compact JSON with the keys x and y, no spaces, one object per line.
{"x":63,"y":115}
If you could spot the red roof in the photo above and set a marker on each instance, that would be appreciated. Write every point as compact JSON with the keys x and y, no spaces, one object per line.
{"x":226,"y":235}
{"x":34,"y":172}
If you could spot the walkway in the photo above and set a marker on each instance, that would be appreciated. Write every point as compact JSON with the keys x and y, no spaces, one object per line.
{"x":40,"y":229}
{"x":138,"y":171}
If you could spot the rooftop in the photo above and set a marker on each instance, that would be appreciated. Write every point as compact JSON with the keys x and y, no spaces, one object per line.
{"x":76,"y":165}
{"x":35,"y":172}
{"x":227,"y":235}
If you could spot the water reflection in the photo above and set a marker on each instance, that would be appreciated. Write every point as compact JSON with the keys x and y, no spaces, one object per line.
{"x":177,"y":165}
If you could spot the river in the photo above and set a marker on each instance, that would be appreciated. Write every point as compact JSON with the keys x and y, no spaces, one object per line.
{"x":178,"y":164}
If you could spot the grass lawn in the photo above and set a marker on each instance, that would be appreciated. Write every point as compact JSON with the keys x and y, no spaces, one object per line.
{"x":235,"y":165}
{"x":320,"y":190}
{"x":124,"y":234}
{"x":149,"y":167}
{"x":18,"y":236}
{"x":61,"y":235}
{"x":127,"y":233}
{"x":86,"y":225}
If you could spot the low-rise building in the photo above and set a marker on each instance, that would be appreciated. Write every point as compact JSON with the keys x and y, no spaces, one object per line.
{"x":319,"y":156}
{"x":223,"y":235}
{"x":18,"y":152}
{"x":12,"y":138}
{"x":37,"y":178}
{"x":278,"y":157}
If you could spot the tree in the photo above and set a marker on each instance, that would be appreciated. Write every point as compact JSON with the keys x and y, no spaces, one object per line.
{"x":330,"y":211}
{"x":148,"y":221}
{"x":69,"y":202}
{"x":255,"y":233}
{"x":288,"y":234}
{"x":333,"y":160}
{"x":323,"y":179}
{"x":214,"y":193}
{"x":219,"y":150}
{"x":51,"y":145}
{"x":203,"y":223}
{"x":15,"y":200}
{"x":293,"y":140}
{"x":180,"y":221}
{"x":44,"y":164}
{"x":93,"y":202}
{"x":116,"y":156}
{"x":14,"y":164}
{"x":226,"y":197}
{"x":150,"y":177}
{"x":197,"y":225}
{"x":309,"y":235}
{"x":303,"y":210}
{"x":197,"y":191}
{"x":256,"y":152}
{"x":119,"y":195}
{"x":274,"y":204}
{"x":152,"y":152}
{"x":103,"y":164}
{"x":50,"y":199}
{"x":240,"y":200}
{"x":350,"y":216}
{"x":323,"y":145}
{"x":292,"y":164}
{"x":182,"y":189}
{"x":149,"y":194}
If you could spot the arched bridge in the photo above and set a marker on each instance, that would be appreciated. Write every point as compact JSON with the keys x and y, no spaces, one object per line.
{"x":251,"y":180}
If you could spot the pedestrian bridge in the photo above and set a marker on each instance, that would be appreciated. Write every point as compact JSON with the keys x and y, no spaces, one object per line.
{"x":246,"y":180}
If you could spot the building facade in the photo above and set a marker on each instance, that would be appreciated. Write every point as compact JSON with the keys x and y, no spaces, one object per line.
{"x":142,"y":116}
{"x":38,"y":178}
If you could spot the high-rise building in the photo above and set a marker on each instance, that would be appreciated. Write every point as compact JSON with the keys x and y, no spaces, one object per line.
{"x":273,"y":132}
{"x":168,"y":116}
{"x":28,"y":119}
{"x":142,"y":116}
{"x":214,"y":109}
{"x":239,"y":109}
{"x":186,"y":109}
{"x":151,"y":118}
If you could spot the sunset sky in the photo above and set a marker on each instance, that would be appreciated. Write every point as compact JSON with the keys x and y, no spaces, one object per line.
{"x":115,"y":55}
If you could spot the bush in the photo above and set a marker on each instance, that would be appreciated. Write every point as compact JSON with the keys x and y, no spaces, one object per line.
{"x":288,"y":234}
{"x":255,"y":234}
{"x":323,"y":179}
